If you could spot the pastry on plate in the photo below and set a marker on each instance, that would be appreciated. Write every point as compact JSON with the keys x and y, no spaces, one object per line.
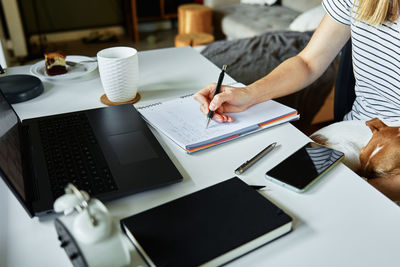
{"x":55,"y":63}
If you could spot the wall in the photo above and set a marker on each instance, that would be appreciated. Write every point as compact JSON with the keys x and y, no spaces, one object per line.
{"x":46,"y":16}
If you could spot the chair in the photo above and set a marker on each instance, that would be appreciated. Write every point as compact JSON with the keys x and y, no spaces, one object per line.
{"x":344,"y":86}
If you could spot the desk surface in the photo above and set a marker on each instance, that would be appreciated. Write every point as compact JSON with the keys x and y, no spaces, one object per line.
{"x":340,"y":221}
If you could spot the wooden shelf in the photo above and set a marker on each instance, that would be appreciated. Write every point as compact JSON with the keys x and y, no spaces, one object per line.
{"x":133,"y":18}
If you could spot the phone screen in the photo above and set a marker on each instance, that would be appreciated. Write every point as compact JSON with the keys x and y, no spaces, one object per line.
{"x":305,"y":166}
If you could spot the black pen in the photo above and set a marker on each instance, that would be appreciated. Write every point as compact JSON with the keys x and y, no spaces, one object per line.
{"x":219,"y":83}
{"x":254,"y":159}
{"x":257,"y":187}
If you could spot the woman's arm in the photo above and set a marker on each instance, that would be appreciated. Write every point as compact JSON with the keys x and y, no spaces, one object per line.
{"x":290,"y":76}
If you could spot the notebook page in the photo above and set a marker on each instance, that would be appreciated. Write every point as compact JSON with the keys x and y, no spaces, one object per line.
{"x":181,"y":120}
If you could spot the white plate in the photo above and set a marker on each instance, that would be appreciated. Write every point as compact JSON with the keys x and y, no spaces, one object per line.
{"x":39,"y":69}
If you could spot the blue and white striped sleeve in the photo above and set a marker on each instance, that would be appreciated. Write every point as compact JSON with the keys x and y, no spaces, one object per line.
{"x":339,"y":10}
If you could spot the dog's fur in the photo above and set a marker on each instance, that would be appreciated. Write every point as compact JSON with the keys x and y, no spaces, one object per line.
{"x":371,"y":148}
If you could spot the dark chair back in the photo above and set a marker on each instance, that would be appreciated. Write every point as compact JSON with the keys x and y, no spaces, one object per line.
{"x":344,"y":85}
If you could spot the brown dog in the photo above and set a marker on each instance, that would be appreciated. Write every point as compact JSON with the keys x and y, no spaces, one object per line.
{"x":381,"y":156}
{"x":370,"y":155}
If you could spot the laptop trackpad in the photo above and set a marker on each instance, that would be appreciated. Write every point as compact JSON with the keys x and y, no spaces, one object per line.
{"x":131,"y":147}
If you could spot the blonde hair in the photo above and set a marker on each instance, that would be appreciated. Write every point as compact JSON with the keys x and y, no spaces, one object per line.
{"x":376,"y":12}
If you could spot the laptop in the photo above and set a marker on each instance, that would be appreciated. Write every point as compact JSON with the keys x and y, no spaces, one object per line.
{"x":108,"y":152}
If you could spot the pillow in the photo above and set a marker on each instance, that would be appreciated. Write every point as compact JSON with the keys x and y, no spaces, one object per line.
{"x":258,"y":2}
{"x":309,"y":20}
{"x":301,"y":5}
{"x":270,"y":2}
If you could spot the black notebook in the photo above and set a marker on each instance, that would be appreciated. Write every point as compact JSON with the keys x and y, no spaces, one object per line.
{"x":209,"y":227}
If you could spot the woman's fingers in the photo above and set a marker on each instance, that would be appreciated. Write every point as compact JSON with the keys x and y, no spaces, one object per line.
{"x":222,"y":117}
{"x":220,"y":99}
{"x":204,"y":96}
{"x":218,"y":116}
{"x":230,"y":99}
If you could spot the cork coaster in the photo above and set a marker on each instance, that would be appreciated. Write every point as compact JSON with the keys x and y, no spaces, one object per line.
{"x":104,"y":99}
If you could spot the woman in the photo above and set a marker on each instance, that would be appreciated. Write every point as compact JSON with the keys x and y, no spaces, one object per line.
{"x":374,"y":29}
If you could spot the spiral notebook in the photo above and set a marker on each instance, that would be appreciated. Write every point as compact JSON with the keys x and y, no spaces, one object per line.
{"x":181,"y":120}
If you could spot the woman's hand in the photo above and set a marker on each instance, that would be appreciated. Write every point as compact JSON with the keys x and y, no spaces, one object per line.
{"x":230,"y":99}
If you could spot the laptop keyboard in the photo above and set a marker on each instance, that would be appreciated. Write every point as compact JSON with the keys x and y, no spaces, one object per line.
{"x":73,"y":155}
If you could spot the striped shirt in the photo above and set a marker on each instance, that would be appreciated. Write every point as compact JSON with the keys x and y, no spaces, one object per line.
{"x":376,"y":64}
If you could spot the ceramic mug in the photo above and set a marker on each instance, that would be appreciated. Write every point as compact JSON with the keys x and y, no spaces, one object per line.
{"x":119,"y":72}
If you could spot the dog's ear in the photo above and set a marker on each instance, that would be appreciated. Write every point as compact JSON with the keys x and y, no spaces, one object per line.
{"x":375,"y":124}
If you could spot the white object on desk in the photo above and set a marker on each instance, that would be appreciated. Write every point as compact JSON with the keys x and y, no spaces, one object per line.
{"x":119,"y":72}
{"x":89,"y":231}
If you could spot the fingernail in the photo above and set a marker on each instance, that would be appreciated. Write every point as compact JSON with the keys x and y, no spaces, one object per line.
{"x":212,"y":106}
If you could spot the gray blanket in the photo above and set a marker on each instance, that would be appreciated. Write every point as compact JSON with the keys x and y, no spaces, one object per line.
{"x":251,"y":59}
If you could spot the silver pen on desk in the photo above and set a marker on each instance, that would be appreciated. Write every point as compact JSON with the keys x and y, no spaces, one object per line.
{"x":254,"y":159}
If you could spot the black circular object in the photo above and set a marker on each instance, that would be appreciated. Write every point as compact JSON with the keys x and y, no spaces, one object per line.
{"x":20,"y":87}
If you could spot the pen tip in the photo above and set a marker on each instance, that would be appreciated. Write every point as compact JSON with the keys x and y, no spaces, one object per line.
{"x":208,"y":122}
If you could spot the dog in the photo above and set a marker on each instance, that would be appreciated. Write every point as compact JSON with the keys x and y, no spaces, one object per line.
{"x":371,"y":148}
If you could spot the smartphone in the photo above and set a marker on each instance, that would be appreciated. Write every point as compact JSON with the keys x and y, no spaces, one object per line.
{"x":304,"y":167}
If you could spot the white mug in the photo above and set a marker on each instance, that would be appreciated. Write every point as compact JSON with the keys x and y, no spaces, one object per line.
{"x":119,"y":72}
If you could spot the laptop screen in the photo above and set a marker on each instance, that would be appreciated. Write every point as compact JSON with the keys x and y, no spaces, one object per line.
{"x":10,"y":147}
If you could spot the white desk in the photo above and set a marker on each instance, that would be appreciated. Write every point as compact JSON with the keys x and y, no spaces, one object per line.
{"x":341,"y":221}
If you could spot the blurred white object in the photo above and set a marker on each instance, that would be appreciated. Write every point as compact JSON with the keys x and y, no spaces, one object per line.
{"x":13,"y":22}
{"x":309,"y":20}
{"x":88,"y":232}
{"x":270,"y":2}
{"x":216,"y":3}
{"x":301,"y":5}
{"x":258,"y":2}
